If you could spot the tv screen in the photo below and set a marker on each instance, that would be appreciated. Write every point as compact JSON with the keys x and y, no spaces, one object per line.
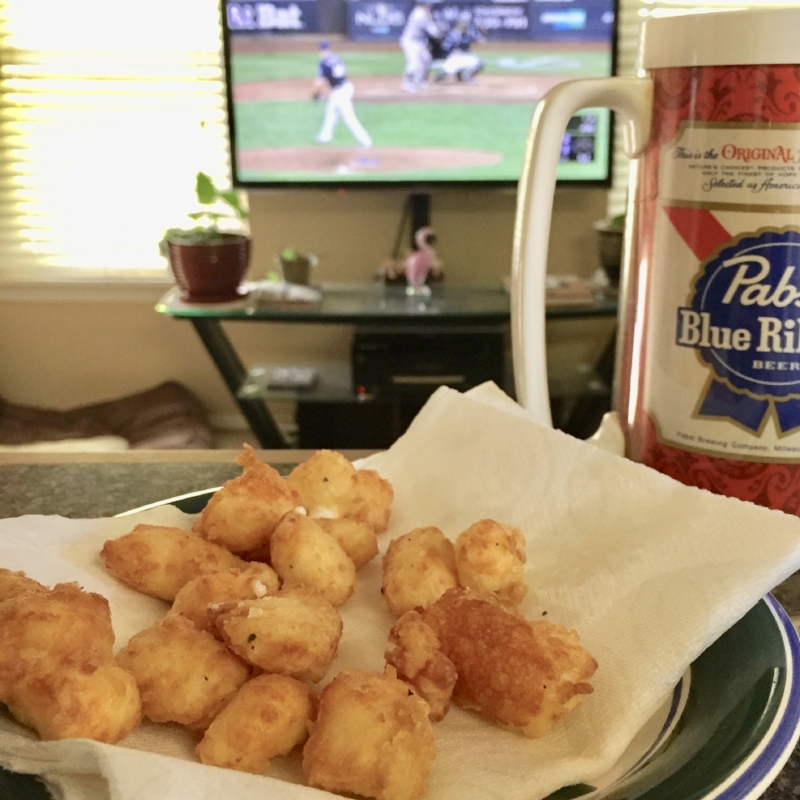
{"x":393,"y":92}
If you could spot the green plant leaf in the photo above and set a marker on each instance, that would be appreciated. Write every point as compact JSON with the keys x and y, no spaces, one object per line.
{"x":232,"y":199}
{"x":204,"y":188}
{"x":197,"y":235}
{"x":618,"y":221}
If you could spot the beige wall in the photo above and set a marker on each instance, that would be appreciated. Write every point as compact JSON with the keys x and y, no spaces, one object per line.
{"x":61,"y":354}
{"x":354,"y":231}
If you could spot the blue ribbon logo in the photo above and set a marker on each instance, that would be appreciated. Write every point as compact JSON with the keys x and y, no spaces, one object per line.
{"x":744,"y":321}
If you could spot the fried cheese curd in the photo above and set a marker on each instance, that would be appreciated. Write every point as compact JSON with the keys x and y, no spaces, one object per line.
{"x":101,"y":703}
{"x":57,"y":670}
{"x":522,"y":674}
{"x":490,"y":557}
{"x":330,"y":486}
{"x":418,"y":568}
{"x":184,"y":675}
{"x":294,"y":632}
{"x":302,"y":553}
{"x":245,"y":583}
{"x":416,"y":654}
{"x":243,"y":513}
{"x":372,"y":737}
{"x":356,"y":538}
{"x":269,"y":716}
{"x":44,"y":632}
{"x":159,"y":560}
{"x":14,"y":583}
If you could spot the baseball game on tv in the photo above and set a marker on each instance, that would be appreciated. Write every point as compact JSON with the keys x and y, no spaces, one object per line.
{"x":407,"y":92}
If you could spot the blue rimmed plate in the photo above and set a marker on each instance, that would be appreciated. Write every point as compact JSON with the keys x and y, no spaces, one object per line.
{"x":729,"y":726}
{"x":724,"y":733}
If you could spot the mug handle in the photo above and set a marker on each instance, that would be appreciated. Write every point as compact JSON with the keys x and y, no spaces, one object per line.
{"x":631,"y":98}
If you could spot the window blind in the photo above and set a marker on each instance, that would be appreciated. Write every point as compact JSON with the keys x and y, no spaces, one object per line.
{"x":632,"y":14}
{"x":107,"y":112}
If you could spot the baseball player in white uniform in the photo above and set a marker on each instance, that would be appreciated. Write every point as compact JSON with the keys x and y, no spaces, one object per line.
{"x":332,"y":73}
{"x":414,"y":41}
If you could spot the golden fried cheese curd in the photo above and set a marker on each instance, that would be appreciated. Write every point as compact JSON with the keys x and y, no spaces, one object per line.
{"x":184,"y":675}
{"x":320,"y":481}
{"x":357,"y":539}
{"x":522,"y":674}
{"x":369,"y":500}
{"x":46,"y":631}
{"x":269,"y":716}
{"x":244,"y":511}
{"x":100,"y":703}
{"x":240,"y":583}
{"x":330,"y":486}
{"x":415,"y":652}
{"x":418,"y":568}
{"x":372,"y":737}
{"x":303,"y":554}
{"x":14,"y":583}
{"x":294,"y":632}
{"x":490,"y":557}
{"x":159,"y":560}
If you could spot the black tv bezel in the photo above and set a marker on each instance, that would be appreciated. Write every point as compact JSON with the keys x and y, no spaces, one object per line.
{"x":413,"y":186}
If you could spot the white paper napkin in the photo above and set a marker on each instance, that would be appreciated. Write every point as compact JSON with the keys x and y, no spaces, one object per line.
{"x":649,"y":572}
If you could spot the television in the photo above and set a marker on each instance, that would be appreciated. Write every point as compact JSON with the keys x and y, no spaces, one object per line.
{"x":446,"y":127}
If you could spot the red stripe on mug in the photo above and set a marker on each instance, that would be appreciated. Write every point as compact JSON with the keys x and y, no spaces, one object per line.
{"x":699,"y":228}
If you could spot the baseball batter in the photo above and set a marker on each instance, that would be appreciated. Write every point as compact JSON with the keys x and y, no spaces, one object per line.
{"x":414,"y":41}
{"x":333,"y":76}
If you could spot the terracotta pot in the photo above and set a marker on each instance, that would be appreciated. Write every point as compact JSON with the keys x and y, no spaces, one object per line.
{"x":210,"y":273}
{"x":298,"y":270}
{"x":609,"y":249}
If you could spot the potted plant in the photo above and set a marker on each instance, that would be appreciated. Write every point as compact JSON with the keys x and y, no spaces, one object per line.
{"x":610,"y":236}
{"x":209,"y":263}
{"x":296,"y":267}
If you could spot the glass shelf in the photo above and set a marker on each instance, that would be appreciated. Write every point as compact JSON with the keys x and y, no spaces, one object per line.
{"x":357,"y":303}
{"x":334,"y":384}
{"x":379,"y":304}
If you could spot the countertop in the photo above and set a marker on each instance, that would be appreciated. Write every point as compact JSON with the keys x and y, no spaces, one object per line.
{"x":102,"y":485}
{"x":97,"y":485}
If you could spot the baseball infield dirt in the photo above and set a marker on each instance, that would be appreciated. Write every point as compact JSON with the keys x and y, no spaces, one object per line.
{"x":353,"y":160}
{"x":377,"y":89}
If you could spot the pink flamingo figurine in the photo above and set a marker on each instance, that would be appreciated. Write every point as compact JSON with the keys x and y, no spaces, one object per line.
{"x":422,"y":260}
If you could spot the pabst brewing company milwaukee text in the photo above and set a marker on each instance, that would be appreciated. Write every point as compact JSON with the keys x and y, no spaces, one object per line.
{"x":752,"y":284}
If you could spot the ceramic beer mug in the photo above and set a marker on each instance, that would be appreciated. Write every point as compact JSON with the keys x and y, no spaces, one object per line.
{"x":708,"y":355}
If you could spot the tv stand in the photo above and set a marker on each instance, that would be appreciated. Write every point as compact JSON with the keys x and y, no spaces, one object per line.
{"x":452,"y":338}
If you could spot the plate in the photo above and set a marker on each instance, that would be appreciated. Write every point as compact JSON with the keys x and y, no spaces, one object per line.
{"x":724,"y":733}
{"x":738,"y":725}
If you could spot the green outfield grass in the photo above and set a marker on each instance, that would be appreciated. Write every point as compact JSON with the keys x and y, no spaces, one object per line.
{"x":249,"y":67}
{"x":297,"y":123}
